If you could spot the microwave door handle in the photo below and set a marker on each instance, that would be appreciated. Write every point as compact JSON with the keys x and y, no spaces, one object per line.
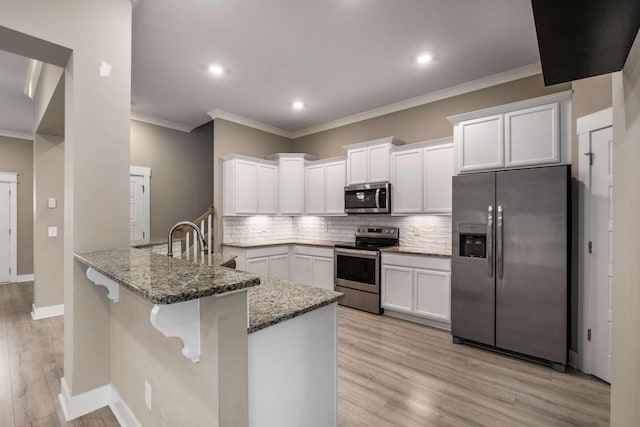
{"x":378,"y":198}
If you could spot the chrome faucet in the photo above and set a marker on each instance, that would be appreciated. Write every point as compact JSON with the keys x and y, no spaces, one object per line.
{"x":203,"y":243}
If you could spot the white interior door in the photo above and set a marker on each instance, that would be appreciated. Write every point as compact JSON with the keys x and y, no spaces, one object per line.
{"x":601,"y":262}
{"x":5,"y":237}
{"x":139,"y":203}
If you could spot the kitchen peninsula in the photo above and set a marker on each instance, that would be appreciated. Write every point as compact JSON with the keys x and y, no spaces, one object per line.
{"x":269,"y":342}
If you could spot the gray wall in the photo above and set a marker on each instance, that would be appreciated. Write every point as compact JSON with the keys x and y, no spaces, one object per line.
{"x":48,"y":252}
{"x":625,"y":389}
{"x":229,"y":138}
{"x":181,"y":169}
{"x":16,"y":156}
{"x":425,"y":121}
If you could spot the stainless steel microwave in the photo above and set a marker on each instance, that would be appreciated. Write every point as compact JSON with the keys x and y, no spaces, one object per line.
{"x":367,"y":198}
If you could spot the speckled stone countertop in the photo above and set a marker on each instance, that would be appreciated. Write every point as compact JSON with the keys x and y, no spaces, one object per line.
{"x":325,"y":243}
{"x":147,"y":243}
{"x":417,"y":250}
{"x":277,"y":300}
{"x":160,"y":279}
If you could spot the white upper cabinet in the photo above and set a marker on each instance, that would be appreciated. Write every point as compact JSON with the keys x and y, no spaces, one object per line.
{"x":249,"y":186}
{"x":534,"y":132}
{"x":335,"y":179}
{"x":314,"y":194}
{"x":324,"y":187}
{"x":438,"y":170}
{"x":357,"y":167}
{"x":369,"y":161}
{"x":481,"y":143}
{"x":406,"y":184}
{"x":532,"y":136}
{"x":267,"y":189}
{"x":291,"y":182}
{"x":421,"y":175}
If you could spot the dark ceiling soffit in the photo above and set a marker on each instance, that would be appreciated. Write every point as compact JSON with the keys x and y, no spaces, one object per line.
{"x":32,"y":47}
{"x":584,"y":38}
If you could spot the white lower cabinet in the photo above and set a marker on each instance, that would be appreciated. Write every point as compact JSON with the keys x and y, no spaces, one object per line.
{"x":313,"y":266}
{"x":309,"y":265}
{"x":398,"y":292}
{"x":417,"y":286}
{"x":302,"y":269}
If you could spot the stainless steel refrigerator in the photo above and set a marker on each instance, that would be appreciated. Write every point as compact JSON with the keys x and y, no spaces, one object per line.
{"x":510,"y":262}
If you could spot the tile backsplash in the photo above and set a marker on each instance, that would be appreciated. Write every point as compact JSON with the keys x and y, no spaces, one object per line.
{"x":429,"y":231}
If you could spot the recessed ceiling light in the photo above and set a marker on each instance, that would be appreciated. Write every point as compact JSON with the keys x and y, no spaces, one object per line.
{"x":424,"y":58}
{"x":216,"y":70}
{"x":298,"y":105}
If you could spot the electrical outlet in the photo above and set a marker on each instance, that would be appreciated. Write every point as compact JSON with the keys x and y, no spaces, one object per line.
{"x":147,"y":394}
{"x":416,"y":230}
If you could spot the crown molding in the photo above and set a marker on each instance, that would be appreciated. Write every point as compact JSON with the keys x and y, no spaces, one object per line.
{"x":17,"y":135}
{"x":230,"y":117}
{"x":161,"y":122}
{"x":472,"y":86}
{"x":483,"y":83}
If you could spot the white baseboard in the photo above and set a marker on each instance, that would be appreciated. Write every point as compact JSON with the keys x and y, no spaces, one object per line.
{"x":21,"y":278}
{"x":84,"y":403}
{"x":38,"y":313}
{"x":417,"y":319}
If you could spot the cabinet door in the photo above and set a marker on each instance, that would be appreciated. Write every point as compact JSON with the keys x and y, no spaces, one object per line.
{"x":433,"y":294}
{"x":480,"y":143}
{"x":438,"y":174}
{"x":258,"y":266}
{"x":292,"y":186}
{"x":303,"y":269}
{"x":532,"y":136}
{"x":323,"y":273}
{"x":397,"y":288}
{"x":279,"y":266}
{"x":314,"y":194}
{"x":267,"y":189}
{"x":357,"y":166}
{"x":246,"y":187}
{"x":407,"y":182}
{"x":378,"y":157}
{"x":335,"y":174}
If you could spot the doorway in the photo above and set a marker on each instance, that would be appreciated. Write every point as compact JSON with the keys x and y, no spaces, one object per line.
{"x":596,"y":177}
{"x":8,"y":227}
{"x":139,"y":203}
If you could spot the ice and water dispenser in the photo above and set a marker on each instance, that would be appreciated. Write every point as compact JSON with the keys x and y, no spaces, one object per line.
{"x":473,"y":240}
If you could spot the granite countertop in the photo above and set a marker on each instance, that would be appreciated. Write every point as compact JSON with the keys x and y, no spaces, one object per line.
{"x":275,"y":242}
{"x":160,"y":279}
{"x":277,"y":300}
{"x":417,"y":250}
{"x":147,"y":243}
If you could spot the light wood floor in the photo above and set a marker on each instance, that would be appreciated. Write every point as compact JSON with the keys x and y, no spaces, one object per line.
{"x":391,"y":373}
{"x":397,"y":373}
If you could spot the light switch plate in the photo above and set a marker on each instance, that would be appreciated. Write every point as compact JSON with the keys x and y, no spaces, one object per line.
{"x":52,"y":203}
{"x":53,"y":232}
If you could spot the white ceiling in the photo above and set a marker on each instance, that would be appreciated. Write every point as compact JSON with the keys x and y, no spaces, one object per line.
{"x":341,"y":57}
{"x":16,"y":108}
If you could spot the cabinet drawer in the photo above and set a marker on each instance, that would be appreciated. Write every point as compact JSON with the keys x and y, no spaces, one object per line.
{"x":267,"y":251}
{"x":313,"y":251}
{"x":417,"y":261}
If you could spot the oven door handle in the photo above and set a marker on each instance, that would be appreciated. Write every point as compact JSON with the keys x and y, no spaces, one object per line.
{"x":378,"y":198}
{"x":357,"y":252}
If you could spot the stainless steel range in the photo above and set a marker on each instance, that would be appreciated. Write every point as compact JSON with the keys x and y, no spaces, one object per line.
{"x":357,"y":267}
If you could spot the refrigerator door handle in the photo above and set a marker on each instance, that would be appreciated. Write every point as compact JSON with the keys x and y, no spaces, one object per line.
{"x":490,"y":239}
{"x":499,"y":244}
